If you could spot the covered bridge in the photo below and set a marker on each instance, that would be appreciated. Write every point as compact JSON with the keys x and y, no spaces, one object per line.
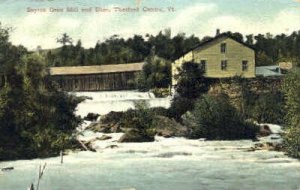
{"x":96,"y":78}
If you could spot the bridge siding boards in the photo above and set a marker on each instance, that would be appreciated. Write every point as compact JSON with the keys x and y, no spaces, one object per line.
{"x":96,"y":82}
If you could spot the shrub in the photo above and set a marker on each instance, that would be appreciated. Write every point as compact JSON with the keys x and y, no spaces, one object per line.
{"x":291,"y":90}
{"x":180,"y":106}
{"x":215,"y":118}
{"x":161,"y":92}
{"x":269,"y":108}
{"x":292,"y":141}
{"x":140,"y":119}
{"x":191,"y":83}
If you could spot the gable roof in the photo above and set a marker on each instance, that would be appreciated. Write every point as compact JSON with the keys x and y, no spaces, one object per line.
{"x":220,"y":36}
{"x":96,"y":69}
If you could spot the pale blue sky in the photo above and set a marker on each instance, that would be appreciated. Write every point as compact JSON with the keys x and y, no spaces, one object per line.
{"x":199,"y":17}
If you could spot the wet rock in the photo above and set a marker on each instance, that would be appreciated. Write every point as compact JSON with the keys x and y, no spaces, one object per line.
{"x":99,"y":127}
{"x":167,"y":127}
{"x":105,"y":128}
{"x":91,"y":117}
{"x":112,"y":146}
{"x":251,"y":149}
{"x":112,"y":117}
{"x":172,"y":154}
{"x":135,"y":136}
{"x":264,"y":130}
{"x":115,"y":128}
{"x":255,"y":139}
{"x":270,"y":146}
{"x":7,"y":169}
{"x":275,"y":137}
{"x":104,"y":137}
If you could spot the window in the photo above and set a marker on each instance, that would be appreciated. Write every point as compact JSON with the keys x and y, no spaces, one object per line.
{"x":224,"y":65}
{"x":203,"y":65}
{"x":245,"y":65}
{"x":223,"y":48}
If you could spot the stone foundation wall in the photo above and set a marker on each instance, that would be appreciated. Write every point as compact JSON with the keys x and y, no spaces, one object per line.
{"x":236,"y":89}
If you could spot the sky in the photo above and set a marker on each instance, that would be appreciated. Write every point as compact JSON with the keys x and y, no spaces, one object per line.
{"x":199,"y":17}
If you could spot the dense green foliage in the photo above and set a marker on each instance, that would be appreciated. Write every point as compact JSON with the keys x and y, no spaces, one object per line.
{"x":213,"y":117}
{"x":277,"y":48}
{"x":268,"y":108}
{"x":116,"y":50}
{"x":141,"y":120}
{"x":156,"y":74}
{"x":262,"y":105}
{"x":36,"y":120}
{"x":291,"y":89}
{"x":191,"y":83}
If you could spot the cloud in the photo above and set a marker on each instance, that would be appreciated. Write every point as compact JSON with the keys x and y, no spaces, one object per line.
{"x":200,"y":19}
{"x":285,"y":21}
{"x":43,"y":29}
{"x":191,"y":18}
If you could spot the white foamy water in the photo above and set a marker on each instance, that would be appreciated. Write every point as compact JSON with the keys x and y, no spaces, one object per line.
{"x":104,"y":102}
{"x":166,"y":164}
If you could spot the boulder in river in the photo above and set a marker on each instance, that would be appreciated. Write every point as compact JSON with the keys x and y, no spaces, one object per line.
{"x":271,"y":146}
{"x":167,"y":127}
{"x":105,"y":128}
{"x":135,"y":135}
{"x":91,"y":117}
{"x":7,"y":169}
{"x":112,"y":146}
{"x":104,"y":137}
{"x":264,"y":130}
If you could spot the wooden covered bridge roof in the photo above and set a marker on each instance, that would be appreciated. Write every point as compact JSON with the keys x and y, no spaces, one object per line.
{"x":96,"y":69}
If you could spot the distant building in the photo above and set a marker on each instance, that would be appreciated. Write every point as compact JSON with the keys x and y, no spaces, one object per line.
{"x":269,"y":71}
{"x":96,"y":78}
{"x":221,"y":57}
{"x":285,"y":66}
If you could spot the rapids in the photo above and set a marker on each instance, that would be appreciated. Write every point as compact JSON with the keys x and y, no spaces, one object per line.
{"x":166,"y":164}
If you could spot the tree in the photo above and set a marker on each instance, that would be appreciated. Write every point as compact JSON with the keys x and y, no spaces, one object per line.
{"x":163,"y":44}
{"x":156,"y":74}
{"x":36,"y":119}
{"x":191,"y":84}
{"x":249,"y":40}
{"x":191,"y":81}
{"x":65,"y":39}
{"x":236,"y":35}
{"x":262,"y":59}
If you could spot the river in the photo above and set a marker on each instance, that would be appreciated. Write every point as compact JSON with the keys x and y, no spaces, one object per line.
{"x":166,"y":164}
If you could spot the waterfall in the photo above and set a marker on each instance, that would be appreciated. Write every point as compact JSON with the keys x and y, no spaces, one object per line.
{"x":107,"y":101}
